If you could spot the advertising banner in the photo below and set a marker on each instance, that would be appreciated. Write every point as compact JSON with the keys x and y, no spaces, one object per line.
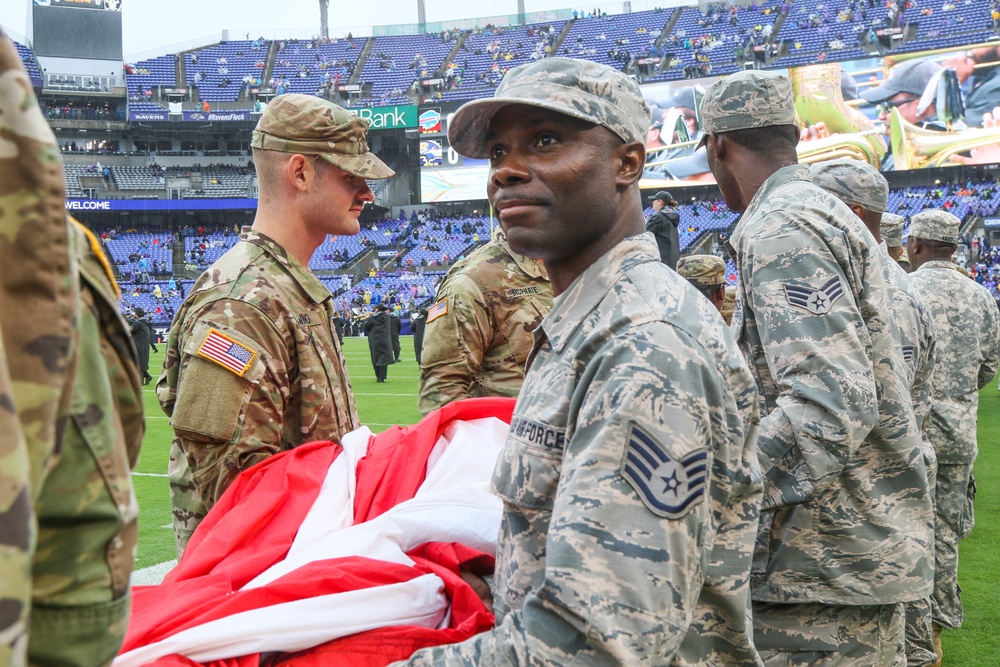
{"x":159,"y":204}
{"x":158,"y":116}
{"x":441,"y":185}
{"x":110,"y":5}
{"x":389,"y":118}
{"x":216,"y":116}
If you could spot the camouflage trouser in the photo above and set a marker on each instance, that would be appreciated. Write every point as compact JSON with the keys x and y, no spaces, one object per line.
{"x":956,"y":488}
{"x":186,"y":504}
{"x":819,"y":635}
{"x":919,"y":634}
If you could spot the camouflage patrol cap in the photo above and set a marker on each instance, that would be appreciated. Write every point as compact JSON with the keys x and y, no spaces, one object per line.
{"x":935,"y":225}
{"x":704,"y":270}
{"x":729,"y":304}
{"x":852,"y":182}
{"x":891,"y":230}
{"x":747,"y":99}
{"x":310,"y":125}
{"x":581,"y":89}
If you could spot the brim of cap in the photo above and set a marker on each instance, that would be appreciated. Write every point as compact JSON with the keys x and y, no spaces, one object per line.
{"x":467,"y":129}
{"x":367,"y":166}
{"x":879,"y":93}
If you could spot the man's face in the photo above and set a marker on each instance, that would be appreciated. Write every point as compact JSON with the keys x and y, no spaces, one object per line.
{"x":907,"y":104}
{"x":723,"y":177}
{"x":552,"y":181}
{"x":336,"y":199}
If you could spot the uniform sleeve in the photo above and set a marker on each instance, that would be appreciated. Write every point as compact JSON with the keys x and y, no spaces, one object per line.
{"x":991,"y":345}
{"x":923,"y":379}
{"x":458,"y":333}
{"x":621,"y":579}
{"x":227,"y":421}
{"x":820,"y":363}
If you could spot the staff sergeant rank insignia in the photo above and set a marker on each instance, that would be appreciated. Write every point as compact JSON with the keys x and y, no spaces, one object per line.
{"x":816,"y":301}
{"x":668,"y":488}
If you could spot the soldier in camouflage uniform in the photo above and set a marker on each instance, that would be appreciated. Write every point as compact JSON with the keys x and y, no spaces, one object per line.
{"x":968,"y":331}
{"x":478,"y":332}
{"x":891,"y":229}
{"x":845,"y":527}
{"x":70,"y":410}
{"x":708,"y":274}
{"x":629,"y":477}
{"x":253,"y":365}
{"x":866,"y":192}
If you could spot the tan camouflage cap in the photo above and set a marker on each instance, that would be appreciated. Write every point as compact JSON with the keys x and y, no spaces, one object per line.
{"x":579,"y":88}
{"x":852,"y":182}
{"x":704,"y":270}
{"x":310,"y":125}
{"x":747,"y":99}
{"x":729,"y":304}
{"x":891,"y":230}
{"x":935,"y":225}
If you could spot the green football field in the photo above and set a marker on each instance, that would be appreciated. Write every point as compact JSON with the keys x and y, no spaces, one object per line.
{"x":977,"y":644}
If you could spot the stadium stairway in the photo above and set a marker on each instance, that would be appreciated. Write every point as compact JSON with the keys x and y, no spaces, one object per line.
{"x":557,"y":44}
{"x":272,"y":53}
{"x":668,"y":30}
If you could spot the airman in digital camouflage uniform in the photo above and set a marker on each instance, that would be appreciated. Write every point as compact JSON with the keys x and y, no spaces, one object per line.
{"x":708,"y":275}
{"x":891,"y":229}
{"x":967,"y":325}
{"x":478,"y":332}
{"x":866,"y":192}
{"x":845,"y":528}
{"x":70,"y":410}
{"x":253,"y":365}
{"x":629,"y":476}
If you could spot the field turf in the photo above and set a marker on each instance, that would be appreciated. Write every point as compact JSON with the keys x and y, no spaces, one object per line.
{"x":977,"y":644}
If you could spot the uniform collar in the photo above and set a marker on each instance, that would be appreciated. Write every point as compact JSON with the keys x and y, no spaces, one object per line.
{"x":306,"y":280}
{"x":526,"y":264}
{"x":939,"y":264}
{"x":571,"y":308}
{"x":785,"y":175}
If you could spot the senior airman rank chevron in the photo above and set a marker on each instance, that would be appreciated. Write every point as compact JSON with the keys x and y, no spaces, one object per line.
{"x":816,"y":301}
{"x":669,"y":488}
{"x":226,"y":352}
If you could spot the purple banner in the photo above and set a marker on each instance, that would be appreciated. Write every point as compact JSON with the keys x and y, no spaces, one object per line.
{"x":212,"y":116}
{"x":147,"y":115}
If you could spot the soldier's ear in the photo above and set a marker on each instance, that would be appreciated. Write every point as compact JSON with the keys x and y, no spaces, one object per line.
{"x":631,"y":159}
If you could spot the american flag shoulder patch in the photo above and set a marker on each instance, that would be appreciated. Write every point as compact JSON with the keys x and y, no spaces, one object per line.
{"x":668,"y":487}
{"x":439,"y":309}
{"x":223,"y":350}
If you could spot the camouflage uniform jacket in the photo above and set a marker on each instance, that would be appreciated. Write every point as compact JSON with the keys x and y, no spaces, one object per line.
{"x":87,"y":510}
{"x":37,"y":333}
{"x":916,"y":328}
{"x":846,"y":510}
{"x":252,"y":367}
{"x":630,"y":482}
{"x":478,"y":334}
{"x":968,"y":330}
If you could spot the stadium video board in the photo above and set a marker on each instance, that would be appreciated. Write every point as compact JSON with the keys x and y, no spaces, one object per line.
{"x":903,"y":111}
{"x":90,"y":29}
{"x":444,"y":174}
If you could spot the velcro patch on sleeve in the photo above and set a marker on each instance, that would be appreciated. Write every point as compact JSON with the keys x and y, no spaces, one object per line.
{"x":669,"y":488}
{"x":439,"y":309}
{"x":226,"y":352}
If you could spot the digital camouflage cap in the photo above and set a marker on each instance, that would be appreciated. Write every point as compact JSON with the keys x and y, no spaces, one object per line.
{"x":746,"y":100}
{"x":703,"y":270}
{"x":310,"y":125}
{"x":891,"y":230}
{"x":852,"y":182}
{"x":578,"y":88}
{"x":935,"y":225}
